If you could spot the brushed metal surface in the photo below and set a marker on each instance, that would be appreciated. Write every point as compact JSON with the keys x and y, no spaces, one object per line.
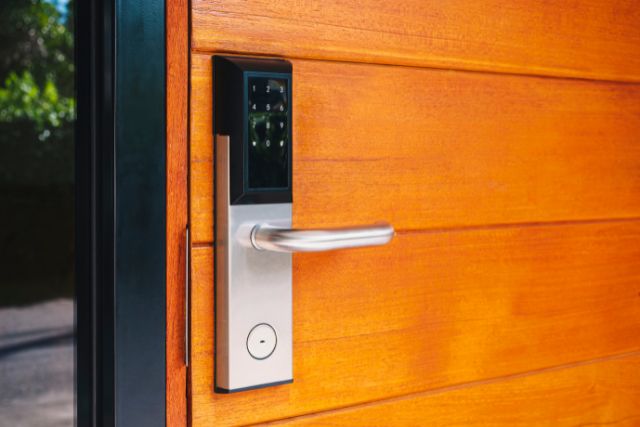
{"x":252,"y":287}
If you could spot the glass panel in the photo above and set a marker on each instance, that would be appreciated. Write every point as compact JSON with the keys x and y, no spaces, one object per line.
{"x":268,"y":133}
{"x":37,"y":111}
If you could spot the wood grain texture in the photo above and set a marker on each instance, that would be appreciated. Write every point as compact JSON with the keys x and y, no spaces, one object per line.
{"x":596,"y":39}
{"x":603,"y":393}
{"x":516,"y":198}
{"x":437,"y":149}
{"x":435,"y":309}
{"x":177,"y":51}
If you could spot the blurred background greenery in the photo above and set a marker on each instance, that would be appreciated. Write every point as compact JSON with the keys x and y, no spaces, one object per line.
{"x":37,"y":112}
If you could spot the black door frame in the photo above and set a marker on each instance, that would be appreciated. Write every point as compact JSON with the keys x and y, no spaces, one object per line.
{"x":120,"y":212}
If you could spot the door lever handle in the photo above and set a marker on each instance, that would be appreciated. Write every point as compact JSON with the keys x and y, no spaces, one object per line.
{"x":265,"y":237}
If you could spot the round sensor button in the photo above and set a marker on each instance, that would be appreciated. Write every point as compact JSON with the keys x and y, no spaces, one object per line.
{"x":262,"y":341}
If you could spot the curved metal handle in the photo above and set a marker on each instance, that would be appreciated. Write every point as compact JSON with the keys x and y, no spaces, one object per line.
{"x":265,"y":237}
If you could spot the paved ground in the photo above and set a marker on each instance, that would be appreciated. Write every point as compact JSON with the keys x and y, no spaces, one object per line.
{"x":36,"y":365}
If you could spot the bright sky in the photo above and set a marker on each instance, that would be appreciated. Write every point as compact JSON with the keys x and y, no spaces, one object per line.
{"x":61,"y":5}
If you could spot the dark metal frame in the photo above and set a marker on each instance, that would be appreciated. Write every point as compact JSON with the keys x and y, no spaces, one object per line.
{"x":120,"y":213}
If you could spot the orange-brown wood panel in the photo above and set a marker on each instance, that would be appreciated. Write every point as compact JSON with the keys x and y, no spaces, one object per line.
{"x":516,"y":197}
{"x":437,"y":149}
{"x":177,"y":15}
{"x":594,"y":39}
{"x":435,"y":309}
{"x":603,"y":393}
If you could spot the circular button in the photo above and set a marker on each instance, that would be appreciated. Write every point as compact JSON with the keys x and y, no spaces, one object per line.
{"x":261,"y":341}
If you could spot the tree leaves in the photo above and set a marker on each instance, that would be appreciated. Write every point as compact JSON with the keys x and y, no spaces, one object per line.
{"x":22,"y":99}
{"x":37,"y":94}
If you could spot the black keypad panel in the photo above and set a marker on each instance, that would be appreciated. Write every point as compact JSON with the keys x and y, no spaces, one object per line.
{"x":268,"y":135}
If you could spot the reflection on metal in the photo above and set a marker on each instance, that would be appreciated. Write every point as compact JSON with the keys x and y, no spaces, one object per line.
{"x":277,"y":239}
{"x":187,"y":294}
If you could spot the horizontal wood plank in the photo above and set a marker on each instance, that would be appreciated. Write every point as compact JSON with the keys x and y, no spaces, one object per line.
{"x":596,"y":39}
{"x":434,"y":309}
{"x":603,"y":393}
{"x":437,"y":149}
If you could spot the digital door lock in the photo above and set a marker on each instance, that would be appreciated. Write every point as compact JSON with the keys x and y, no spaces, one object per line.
{"x":253,"y":235}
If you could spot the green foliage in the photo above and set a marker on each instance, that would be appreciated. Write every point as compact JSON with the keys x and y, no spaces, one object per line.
{"x":22,"y":99}
{"x":36,"y":37}
{"x":37,"y":100}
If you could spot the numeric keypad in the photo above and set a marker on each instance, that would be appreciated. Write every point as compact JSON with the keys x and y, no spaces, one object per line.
{"x":268,"y":132}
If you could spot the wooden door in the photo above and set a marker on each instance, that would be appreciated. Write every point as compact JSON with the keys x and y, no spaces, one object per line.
{"x":502,"y":140}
